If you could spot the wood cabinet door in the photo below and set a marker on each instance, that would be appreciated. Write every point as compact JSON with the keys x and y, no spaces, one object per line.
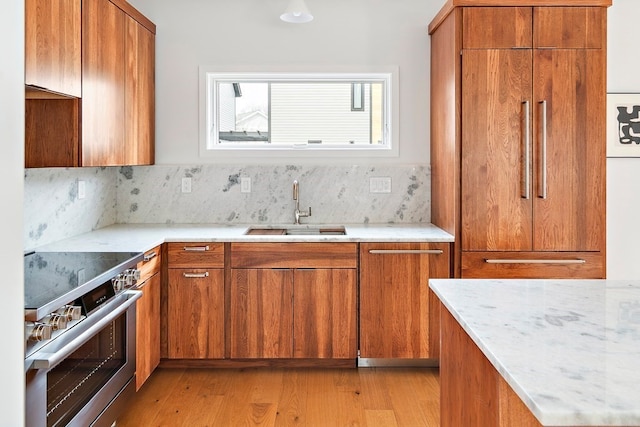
{"x":195,"y":326}
{"x":570,"y":27}
{"x":261,"y":313}
{"x":148,"y":329}
{"x":496,"y":146}
{"x":569,"y":202}
{"x":324,"y":313}
{"x":139,"y":94}
{"x":103,"y":107}
{"x":53,"y":46}
{"x":394,"y":297}
{"x":512,"y":27}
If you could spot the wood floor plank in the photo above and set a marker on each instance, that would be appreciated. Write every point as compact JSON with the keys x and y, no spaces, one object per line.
{"x":287,"y":397}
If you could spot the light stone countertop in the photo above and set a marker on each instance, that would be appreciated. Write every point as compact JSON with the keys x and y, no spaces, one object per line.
{"x":569,"y":348}
{"x":142,"y":237}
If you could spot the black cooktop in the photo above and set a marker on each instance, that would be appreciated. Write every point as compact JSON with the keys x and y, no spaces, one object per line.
{"x":53,"y":279}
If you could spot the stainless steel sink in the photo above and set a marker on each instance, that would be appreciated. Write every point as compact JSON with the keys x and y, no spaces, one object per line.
{"x":297,"y":231}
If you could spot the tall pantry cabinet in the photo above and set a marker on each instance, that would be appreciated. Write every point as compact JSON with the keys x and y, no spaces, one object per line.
{"x":518,"y":136}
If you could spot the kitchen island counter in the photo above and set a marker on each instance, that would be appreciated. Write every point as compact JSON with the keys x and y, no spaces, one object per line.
{"x":569,"y":349}
{"x":142,"y":237}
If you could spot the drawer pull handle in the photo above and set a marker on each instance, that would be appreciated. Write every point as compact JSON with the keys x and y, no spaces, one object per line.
{"x":407,"y":251}
{"x":196,"y":248}
{"x":196,"y":275}
{"x":148,"y":257}
{"x":535,"y":261}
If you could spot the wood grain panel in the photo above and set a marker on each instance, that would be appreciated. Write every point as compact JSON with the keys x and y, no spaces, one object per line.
{"x":151,"y":263}
{"x":475,"y":266}
{"x":394,"y":300}
{"x":139,"y":94}
{"x":103,"y":107}
{"x":148,"y":329}
{"x":570,"y":27}
{"x":294,"y":255}
{"x":52,"y":133}
{"x":572,"y":216}
{"x":324,"y":313}
{"x":195,"y":254}
{"x":195,"y":328}
{"x":513,"y":31}
{"x":53,"y":45}
{"x":261,"y":313}
{"x":495,"y":213}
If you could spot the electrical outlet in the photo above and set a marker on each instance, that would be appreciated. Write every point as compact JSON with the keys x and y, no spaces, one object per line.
{"x":380,"y":184}
{"x":186,"y":185}
{"x":245,"y":184}
{"x":82,"y":190}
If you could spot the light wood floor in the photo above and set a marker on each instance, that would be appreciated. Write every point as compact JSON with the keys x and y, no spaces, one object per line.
{"x":373,"y":397}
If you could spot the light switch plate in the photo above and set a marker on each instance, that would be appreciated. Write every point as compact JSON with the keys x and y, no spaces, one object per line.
{"x":186,"y":185}
{"x":380,"y":184}
{"x":245,"y":184}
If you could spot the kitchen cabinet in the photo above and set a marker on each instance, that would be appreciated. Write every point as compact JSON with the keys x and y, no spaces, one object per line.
{"x":195,"y":301}
{"x":399,"y":315}
{"x":53,"y":48}
{"x":113,"y":122}
{"x":293,"y":300}
{"x":148,"y":316}
{"x":518,"y":138}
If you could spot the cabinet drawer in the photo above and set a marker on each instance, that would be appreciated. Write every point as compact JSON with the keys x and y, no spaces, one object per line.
{"x":294,"y":255}
{"x":150,"y":265}
{"x":195,"y":254}
{"x":533,"y":265}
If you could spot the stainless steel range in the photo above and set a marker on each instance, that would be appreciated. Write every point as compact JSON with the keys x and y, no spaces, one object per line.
{"x":79,"y":336}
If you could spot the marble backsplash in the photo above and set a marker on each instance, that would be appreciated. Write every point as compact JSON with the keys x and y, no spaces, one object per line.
{"x":152,"y":194}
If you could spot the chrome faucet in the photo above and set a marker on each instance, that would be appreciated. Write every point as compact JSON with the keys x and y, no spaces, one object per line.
{"x":298,"y":213}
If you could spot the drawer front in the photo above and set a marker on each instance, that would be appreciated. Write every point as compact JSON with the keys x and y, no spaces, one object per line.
{"x":195,"y":254}
{"x":151,"y":263}
{"x":294,"y":255}
{"x":533,"y":265}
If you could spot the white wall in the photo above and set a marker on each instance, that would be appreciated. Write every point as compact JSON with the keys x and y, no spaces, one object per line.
{"x":249,"y":33}
{"x":623,"y":175}
{"x":11,"y":176}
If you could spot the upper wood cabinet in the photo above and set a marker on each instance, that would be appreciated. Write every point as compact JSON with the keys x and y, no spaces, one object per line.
{"x":526,"y":142}
{"x":114,"y":121}
{"x":52,"y":46}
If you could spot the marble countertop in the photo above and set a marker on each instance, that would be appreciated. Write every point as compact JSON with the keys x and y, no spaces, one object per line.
{"x":569,"y":348}
{"x":142,"y":237}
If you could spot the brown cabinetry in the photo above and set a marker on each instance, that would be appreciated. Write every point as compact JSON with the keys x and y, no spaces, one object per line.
{"x":518,"y":138}
{"x":113,"y":123}
{"x":148,"y":317}
{"x":195,"y":301}
{"x":293,"y":300}
{"x":399,"y":315}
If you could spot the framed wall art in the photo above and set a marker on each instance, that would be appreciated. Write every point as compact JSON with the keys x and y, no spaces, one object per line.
{"x":623,"y":125}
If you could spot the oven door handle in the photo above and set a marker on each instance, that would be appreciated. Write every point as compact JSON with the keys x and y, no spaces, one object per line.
{"x":45,"y":360}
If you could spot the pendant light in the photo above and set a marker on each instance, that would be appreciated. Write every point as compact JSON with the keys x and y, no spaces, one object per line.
{"x":297,"y":13}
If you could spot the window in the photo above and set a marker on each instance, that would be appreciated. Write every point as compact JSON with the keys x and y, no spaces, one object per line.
{"x":338,"y":112}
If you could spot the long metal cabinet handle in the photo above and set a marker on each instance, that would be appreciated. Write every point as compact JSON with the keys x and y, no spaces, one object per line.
{"x":535,"y":261}
{"x":407,"y":251}
{"x":49,"y":360}
{"x":196,"y":248}
{"x":526,"y":182}
{"x":196,"y":275}
{"x":543,"y":152}
{"x":148,"y":257}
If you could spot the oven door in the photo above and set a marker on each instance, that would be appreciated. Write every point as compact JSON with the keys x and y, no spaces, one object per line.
{"x":85,"y":375}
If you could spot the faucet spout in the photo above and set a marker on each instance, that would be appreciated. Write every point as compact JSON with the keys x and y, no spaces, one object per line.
{"x":297,"y":212}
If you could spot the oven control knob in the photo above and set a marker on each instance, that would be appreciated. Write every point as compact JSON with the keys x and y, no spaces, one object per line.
{"x":39,"y":332}
{"x":119,"y":282}
{"x":56,"y":321}
{"x":132,"y":275}
{"x":71,"y":312}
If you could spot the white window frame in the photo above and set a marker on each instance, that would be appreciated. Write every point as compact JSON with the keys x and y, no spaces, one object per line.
{"x":210,"y":147}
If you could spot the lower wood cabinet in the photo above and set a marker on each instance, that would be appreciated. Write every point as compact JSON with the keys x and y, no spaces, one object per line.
{"x":148,"y":317}
{"x":195,"y":301}
{"x":399,"y":315}
{"x":293,"y":300}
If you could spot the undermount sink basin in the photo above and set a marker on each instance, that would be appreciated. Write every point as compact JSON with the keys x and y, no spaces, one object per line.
{"x":297,"y":231}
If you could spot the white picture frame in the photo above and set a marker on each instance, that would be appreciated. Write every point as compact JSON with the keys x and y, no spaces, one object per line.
{"x":623,"y":125}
